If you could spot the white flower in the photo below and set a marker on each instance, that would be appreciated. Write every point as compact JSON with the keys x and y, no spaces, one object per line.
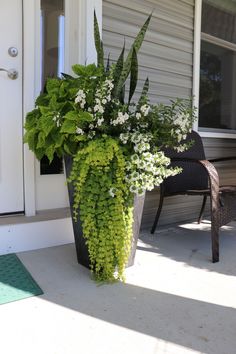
{"x":138,"y":115}
{"x":100,"y":121}
{"x":112,"y":192}
{"x":134,"y":176}
{"x":141,"y":191}
{"x":121,"y":119}
{"x":109,"y":84}
{"x":124,"y":137}
{"x":98,"y":108}
{"x":128,"y":166}
{"x":104,"y":101}
{"x":135,"y":158}
{"x":80,"y":98}
{"x":145,"y":109}
{"x":79,"y":131}
{"x":133,"y":189}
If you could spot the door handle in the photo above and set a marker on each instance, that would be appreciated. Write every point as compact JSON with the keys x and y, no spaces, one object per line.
{"x":11,"y":73}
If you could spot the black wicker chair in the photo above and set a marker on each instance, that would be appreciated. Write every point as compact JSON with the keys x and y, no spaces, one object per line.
{"x":199,"y":177}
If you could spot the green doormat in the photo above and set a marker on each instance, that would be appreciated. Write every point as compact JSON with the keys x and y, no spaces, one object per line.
{"x":16,"y":283}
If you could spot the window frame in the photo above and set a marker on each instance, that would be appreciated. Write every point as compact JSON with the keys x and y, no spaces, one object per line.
{"x":198,"y":37}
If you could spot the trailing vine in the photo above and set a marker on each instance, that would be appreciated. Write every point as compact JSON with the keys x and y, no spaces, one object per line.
{"x":105,"y":204}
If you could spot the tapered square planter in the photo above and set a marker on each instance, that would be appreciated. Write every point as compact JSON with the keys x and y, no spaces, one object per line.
{"x":81,"y":247}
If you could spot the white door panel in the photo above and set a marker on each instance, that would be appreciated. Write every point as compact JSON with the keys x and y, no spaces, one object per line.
{"x":11,"y":165}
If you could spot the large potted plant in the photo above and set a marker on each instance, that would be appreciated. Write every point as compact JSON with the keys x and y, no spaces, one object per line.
{"x":112,"y":148}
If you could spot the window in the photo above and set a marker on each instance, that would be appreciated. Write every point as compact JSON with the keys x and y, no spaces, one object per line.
{"x":217,"y":104}
{"x":52,"y":58}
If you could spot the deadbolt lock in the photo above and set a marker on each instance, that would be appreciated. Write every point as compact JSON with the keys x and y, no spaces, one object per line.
{"x":12,"y":51}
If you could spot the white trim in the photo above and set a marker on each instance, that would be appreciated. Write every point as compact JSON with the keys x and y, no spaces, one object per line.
{"x":198,"y":36}
{"x":196,"y":57}
{"x":91,"y":5}
{"x":217,"y":135}
{"x":218,"y":41}
{"x":29,"y":84}
{"x":79,"y":42}
{"x":35,"y":235}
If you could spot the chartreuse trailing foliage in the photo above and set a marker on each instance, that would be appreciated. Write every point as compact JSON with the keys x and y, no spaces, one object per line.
{"x":116,"y":146}
{"x":99,"y":169}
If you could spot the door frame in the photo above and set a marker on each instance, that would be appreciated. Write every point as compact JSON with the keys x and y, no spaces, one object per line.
{"x":79,"y":48}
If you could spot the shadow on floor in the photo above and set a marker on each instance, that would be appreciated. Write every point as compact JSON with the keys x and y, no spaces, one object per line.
{"x":191,"y":243}
{"x":190,"y":323}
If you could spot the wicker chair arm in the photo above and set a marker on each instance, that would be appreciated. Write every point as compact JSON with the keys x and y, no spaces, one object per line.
{"x":212,"y":175}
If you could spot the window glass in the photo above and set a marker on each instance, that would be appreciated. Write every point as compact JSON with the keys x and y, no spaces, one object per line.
{"x":217,"y":106}
{"x":219,"y":19}
{"x":52,"y":58}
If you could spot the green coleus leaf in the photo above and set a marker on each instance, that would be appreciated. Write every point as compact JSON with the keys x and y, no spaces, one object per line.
{"x":85,"y":117}
{"x":41,"y":140}
{"x":30,"y":138}
{"x":42,"y":100}
{"x":86,"y":71}
{"x":53,"y":85}
{"x":50,"y":151}
{"x":46,"y":124}
{"x":98,"y":43}
{"x":67,"y":149}
{"x":133,"y":74}
{"x":79,"y":69}
{"x":73,"y":115}
{"x":32,"y":118}
{"x":39,"y":153}
{"x":69,"y":126}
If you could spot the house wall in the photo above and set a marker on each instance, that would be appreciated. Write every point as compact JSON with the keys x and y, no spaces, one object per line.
{"x":166,"y":57}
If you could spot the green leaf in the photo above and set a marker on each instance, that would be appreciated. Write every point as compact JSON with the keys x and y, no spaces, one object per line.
{"x":144,"y":91}
{"x":53,"y":85}
{"x":30,"y":138}
{"x":50,"y":151}
{"x":39,"y":153}
{"x":127,"y":65}
{"x":108,"y":63}
{"x":69,"y":126}
{"x":86,"y":71}
{"x":32,"y":118}
{"x":42,"y":100}
{"x":46,"y":124}
{"x":85,"y":117}
{"x":44,"y":109}
{"x":133,"y":74}
{"x":78,"y":69}
{"x":73,"y":115}
{"x":41,"y":140}
{"x":119,"y":66}
{"x":98,"y":43}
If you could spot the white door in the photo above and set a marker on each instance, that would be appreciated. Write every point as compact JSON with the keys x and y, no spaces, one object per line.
{"x":11,"y":159}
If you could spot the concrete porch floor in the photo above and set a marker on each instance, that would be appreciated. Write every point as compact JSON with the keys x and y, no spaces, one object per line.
{"x":174,"y":300}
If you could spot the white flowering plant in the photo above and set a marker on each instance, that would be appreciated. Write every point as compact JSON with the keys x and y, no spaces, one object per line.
{"x":116,"y":145}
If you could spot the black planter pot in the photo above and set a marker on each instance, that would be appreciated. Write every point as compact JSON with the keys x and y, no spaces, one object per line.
{"x":81,"y":247}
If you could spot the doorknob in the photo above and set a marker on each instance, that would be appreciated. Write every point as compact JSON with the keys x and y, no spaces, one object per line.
{"x":11,"y":73}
